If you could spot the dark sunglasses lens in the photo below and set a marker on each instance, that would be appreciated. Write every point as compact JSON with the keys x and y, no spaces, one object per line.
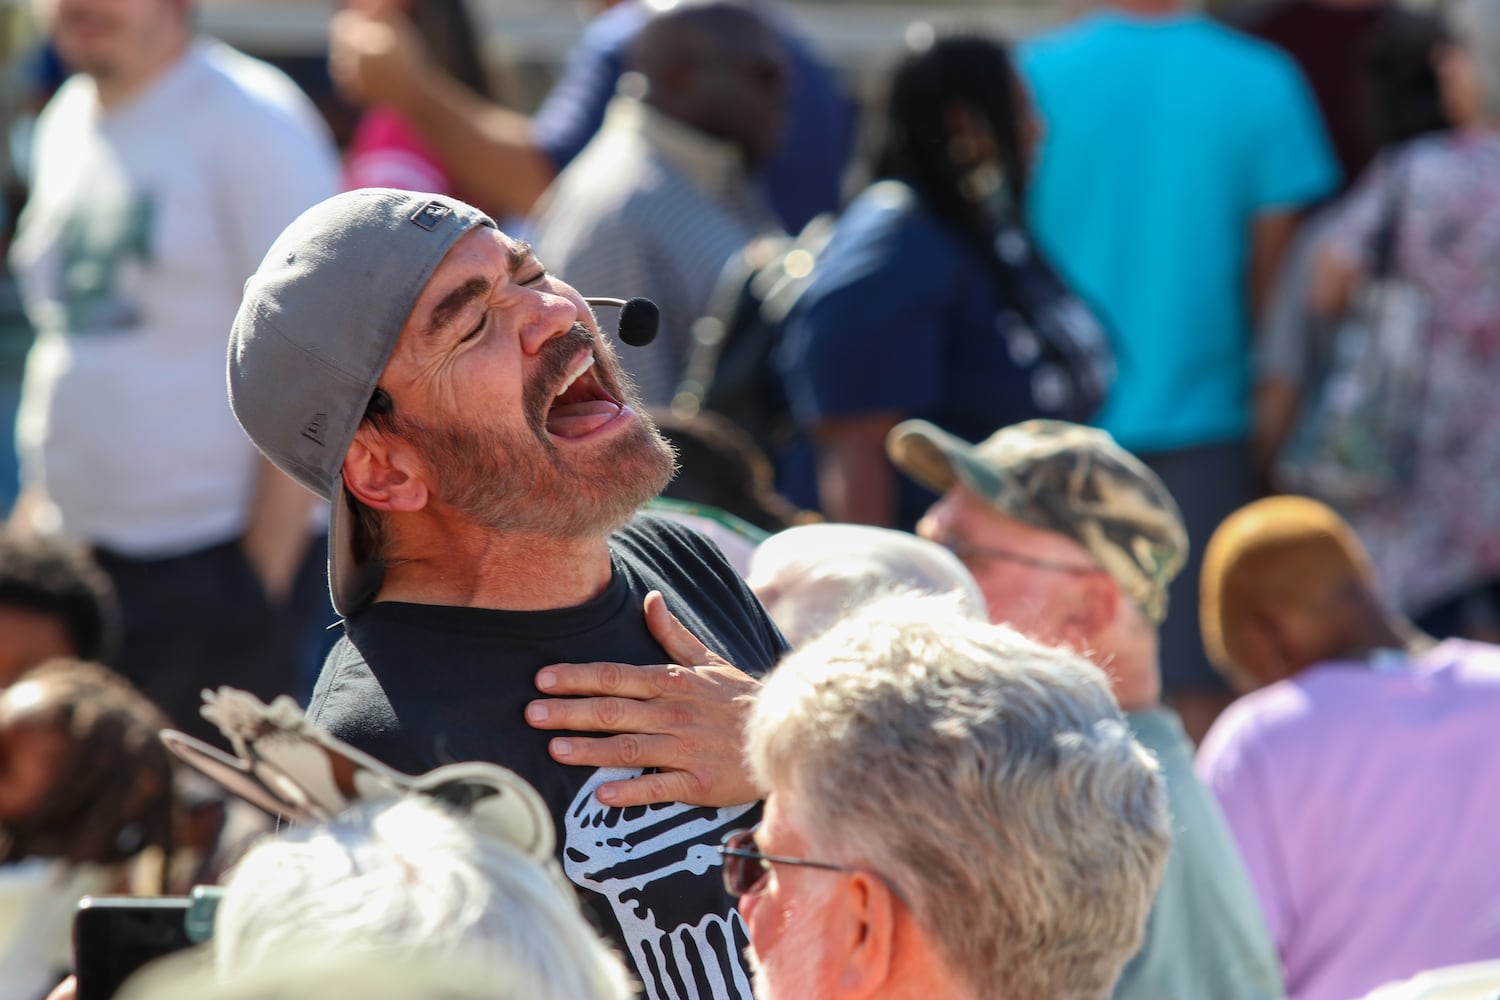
{"x":742,"y":874}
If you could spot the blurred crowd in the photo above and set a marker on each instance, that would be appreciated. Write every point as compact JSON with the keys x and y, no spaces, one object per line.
{"x":1044,"y":541}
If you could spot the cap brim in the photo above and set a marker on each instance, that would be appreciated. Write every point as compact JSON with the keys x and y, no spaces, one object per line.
{"x":937,"y":459}
{"x":351,"y":582}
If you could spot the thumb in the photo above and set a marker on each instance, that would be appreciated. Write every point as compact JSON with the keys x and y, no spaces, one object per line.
{"x":681,"y":645}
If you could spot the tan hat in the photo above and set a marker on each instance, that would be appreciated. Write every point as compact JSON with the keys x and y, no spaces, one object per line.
{"x":1066,"y":478}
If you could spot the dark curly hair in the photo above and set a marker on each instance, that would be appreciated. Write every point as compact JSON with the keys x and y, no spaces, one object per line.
{"x":113,"y":794}
{"x":58,"y":578}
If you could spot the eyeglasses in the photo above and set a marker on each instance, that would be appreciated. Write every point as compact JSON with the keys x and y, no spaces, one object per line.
{"x":965,"y":551}
{"x":746,"y":869}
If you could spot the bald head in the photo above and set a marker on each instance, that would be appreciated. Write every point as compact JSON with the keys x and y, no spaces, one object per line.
{"x":718,"y":67}
{"x":1285,"y":584}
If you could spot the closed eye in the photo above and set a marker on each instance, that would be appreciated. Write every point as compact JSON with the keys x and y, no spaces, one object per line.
{"x":484,"y":318}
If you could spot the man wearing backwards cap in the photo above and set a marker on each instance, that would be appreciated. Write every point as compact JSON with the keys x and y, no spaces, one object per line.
{"x":1073,"y":541}
{"x":485,"y":456}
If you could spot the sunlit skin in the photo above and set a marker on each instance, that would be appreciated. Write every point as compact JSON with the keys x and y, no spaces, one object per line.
{"x":1072,"y":603}
{"x":789,"y":916}
{"x":30,"y":751}
{"x":490,"y":341}
{"x":832,"y":934}
{"x":29,"y":638}
{"x":1031,"y":598}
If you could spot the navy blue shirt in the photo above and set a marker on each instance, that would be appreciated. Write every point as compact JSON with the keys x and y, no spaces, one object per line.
{"x":802,"y":179}
{"x":418,"y":686}
{"x":905,"y":316}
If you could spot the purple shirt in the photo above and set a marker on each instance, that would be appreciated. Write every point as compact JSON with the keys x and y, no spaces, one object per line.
{"x":1366,"y":802}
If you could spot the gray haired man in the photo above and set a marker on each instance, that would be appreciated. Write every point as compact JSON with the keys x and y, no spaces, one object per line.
{"x":1072,"y":540}
{"x":955,"y":811}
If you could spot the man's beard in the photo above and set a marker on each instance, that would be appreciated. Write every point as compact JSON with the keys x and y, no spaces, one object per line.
{"x":520,"y":483}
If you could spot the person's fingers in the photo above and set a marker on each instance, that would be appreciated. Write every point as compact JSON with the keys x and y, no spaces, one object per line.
{"x":650,"y":789}
{"x":609,"y":715}
{"x":618,"y":680}
{"x":626,"y":750}
{"x":681,"y":645}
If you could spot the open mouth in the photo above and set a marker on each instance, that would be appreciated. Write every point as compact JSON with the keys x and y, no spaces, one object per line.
{"x":581,"y":404}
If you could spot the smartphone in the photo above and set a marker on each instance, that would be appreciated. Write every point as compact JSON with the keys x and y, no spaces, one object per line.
{"x":114,"y":936}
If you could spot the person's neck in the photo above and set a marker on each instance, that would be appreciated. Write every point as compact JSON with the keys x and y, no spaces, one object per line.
{"x":1132,"y":660}
{"x":1384,"y":632}
{"x":116,"y":89}
{"x":476,"y":568}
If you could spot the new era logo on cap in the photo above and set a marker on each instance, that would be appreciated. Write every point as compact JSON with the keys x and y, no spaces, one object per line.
{"x":431,"y":214}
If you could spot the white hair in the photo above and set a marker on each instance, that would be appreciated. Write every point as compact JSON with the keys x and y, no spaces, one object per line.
{"x":410,"y":878}
{"x":991,"y":779}
{"x":368,"y":976}
{"x":812,"y":576}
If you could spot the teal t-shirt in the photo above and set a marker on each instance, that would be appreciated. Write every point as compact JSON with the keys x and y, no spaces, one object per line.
{"x":1206,"y":938}
{"x":1164,"y":138}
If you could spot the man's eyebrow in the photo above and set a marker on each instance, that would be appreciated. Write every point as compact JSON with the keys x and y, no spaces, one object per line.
{"x":454,"y":302}
{"x":521,"y":254}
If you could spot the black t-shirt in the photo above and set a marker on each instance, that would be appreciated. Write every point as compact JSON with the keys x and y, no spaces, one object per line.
{"x":418,"y":686}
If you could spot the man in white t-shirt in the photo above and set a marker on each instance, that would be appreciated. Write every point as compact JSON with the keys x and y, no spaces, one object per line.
{"x":163,"y":170}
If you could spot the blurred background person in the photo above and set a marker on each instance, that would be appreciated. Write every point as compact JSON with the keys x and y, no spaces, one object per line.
{"x":54,"y":602}
{"x":724,"y":487}
{"x":1400,"y":100}
{"x":163,"y":169}
{"x":718,"y":465}
{"x":1353,"y":770}
{"x":386,"y":149}
{"x":1176,"y":156}
{"x":1010,"y":850}
{"x":1432,"y":534}
{"x":505,"y":160}
{"x":930,"y":299}
{"x":1074,"y":541}
{"x":1330,"y":40}
{"x":86,"y":807}
{"x":811,"y":577}
{"x":665,"y":194}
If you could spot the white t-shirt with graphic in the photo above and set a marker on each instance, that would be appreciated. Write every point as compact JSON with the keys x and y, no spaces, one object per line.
{"x":145,"y":220}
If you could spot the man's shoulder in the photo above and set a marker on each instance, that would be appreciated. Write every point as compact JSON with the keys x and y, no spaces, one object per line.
{"x":350,"y":704}
{"x":228,"y":80}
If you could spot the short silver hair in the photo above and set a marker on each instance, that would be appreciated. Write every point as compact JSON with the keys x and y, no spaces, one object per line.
{"x":991,"y":779}
{"x":812,"y":576}
{"x":407,"y":877}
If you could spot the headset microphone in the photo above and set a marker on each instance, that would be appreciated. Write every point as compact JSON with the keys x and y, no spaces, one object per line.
{"x":639,"y":319}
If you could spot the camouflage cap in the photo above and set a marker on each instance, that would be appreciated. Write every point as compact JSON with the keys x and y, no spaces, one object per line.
{"x":1066,"y":478}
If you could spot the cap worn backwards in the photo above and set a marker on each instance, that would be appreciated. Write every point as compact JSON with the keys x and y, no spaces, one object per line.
{"x":318,"y":324}
{"x":1069,"y":479}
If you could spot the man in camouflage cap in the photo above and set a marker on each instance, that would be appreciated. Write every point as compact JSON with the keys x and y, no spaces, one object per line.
{"x":1073,"y":541}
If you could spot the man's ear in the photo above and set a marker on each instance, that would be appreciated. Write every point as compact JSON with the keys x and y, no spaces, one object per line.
{"x":383,"y":473}
{"x":873,"y":912}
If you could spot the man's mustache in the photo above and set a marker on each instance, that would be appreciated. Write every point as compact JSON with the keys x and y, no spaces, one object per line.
{"x":553,"y":362}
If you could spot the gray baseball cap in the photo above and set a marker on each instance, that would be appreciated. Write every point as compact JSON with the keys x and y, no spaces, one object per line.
{"x":315,"y":330}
